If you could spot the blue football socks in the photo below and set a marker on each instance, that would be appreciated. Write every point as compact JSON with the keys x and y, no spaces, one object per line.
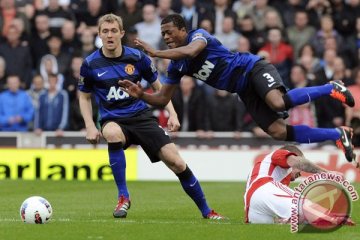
{"x":298,"y":96}
{"x":118,"y":166}
{"x":192,"y":187}
{"x":305,"y":134}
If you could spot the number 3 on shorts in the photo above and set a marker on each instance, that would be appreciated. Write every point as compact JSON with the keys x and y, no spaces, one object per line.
{"x":270,"y":79}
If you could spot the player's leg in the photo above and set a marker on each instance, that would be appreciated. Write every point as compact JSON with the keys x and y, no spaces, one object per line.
{"x":269,"y":202}
{"x":170,"y":156}
{"x":115,"y":138}
{"x":264,"y":99}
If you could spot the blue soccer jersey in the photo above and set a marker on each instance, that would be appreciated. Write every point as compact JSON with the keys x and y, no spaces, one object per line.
{"x":215,"y":65}
{"x":100,"y":75}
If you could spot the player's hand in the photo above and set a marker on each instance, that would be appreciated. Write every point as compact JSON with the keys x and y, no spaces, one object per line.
{"x":147,"y":48}
{"x":173,"y":124}
{"x":93,"y":135}
{"x":134,"y":90}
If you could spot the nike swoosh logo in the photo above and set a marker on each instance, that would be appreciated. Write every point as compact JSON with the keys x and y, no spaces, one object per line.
{"x":346,"y":140}
{"x":100,"y":74}
{"x":191,"y":185}
{"x":271,"y":84}
{"x":180,"y":69}
{"x":343,"y":88}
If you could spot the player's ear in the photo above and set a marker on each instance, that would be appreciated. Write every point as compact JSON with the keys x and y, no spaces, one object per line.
{"x":122,"y":33}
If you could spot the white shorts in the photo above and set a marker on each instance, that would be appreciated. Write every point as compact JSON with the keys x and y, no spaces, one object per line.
{"x":272,"y":200}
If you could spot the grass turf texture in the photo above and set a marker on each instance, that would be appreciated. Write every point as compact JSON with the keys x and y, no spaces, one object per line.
{"x":159,"y":210}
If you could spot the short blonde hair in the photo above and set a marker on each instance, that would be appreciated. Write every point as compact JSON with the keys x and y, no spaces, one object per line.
{"x":110,"y":18}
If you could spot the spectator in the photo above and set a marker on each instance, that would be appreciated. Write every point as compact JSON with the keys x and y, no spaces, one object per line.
{"x":2,"y":74}
{"x":327,"y":31}
{"x":189,"y":102}
{"x":280,"y":53}
{"x":57,"y":16}
{"x":87,"y":41}
{"x":192,"y":13}
{"x":49,"y":66}
{"x":329,"y":113}
{"x":228,"y":36}
{"x":164,"y":8}
{"x":16,"y":110}
{"x":36,"y":89}
{"x":131,"y":13}
{"x":53,"y":111}
{"x":344,"y":18}
{"x":353,"y":114}
{"x":224,"y":112}
{"x":301,"y":33}
{"x":242,"y":7}
{"x":273,"y":20}
{"x":76,"y":121}
{"x":243,"y":44}
{"x":208,"y":25}
{"x":219,"y":11}
{"x":89,"y":18}
{"x":316,"y":10}
{"x":63,"y":58}
{"x":302,"y":114}
{"x":70,"y":40}
{"x":149,"y":28}
{"x":72,"y":77}
{"x":39,"y":38}
{"x":289,"y":9}
{"x":308,"y":59}
{"x":340,"y":72}
{"x":17,"y":56}
{"x":8,"y":12}
{"x":257,"y":39}
{"x":257,"y":13}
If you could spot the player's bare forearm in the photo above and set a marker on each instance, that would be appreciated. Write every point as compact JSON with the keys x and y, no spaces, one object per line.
{"x":86,"y":109}
{"x":155,"y":99}
{"x":307,"y":166}
{"x":156,"y":86}
{"x":189,"y":51}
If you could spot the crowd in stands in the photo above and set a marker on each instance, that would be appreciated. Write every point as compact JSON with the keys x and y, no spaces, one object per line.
{"x":310,"y":42}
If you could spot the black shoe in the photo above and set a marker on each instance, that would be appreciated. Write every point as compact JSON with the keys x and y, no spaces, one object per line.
{"x":344,"y":143}
{"x":341,"y":93}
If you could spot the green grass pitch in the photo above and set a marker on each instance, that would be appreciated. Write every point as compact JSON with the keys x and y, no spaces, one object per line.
{"x":160,"y":210}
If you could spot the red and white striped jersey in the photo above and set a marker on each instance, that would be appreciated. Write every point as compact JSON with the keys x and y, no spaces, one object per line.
{"x":272,"y":165}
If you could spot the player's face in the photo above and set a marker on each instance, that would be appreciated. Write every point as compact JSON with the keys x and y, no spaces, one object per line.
{"x":173,"y":36}
{"x":111,"y":35}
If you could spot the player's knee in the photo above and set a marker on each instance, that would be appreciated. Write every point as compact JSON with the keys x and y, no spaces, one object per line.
{"x":277,"y":132}
{"x":113,"y":134}
{"x":275,"y":100}
{"x":277,"y":104}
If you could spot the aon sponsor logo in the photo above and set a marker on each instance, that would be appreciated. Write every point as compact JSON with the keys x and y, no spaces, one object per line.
{"x":205,"y":71}
{"x":116,"y":93}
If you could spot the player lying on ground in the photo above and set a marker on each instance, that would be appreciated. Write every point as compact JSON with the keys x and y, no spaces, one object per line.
{"x":126,"y":120}
{"x":268,"y":198}
{"x":259,"y":85}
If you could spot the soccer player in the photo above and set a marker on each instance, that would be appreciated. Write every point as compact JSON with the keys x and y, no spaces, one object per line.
{"x":126,"y":120}
{"x":268,"y":198}
{"x":259,"y":85}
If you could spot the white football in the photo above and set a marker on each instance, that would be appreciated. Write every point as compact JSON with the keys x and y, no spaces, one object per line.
{"x":35,"y":210}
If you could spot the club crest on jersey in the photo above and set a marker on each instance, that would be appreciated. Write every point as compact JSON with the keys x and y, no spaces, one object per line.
{"x":130,"y":69}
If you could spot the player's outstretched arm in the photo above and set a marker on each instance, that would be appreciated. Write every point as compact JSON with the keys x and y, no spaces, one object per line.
{"x":173,"y":122}
{"x":303,"y":164}
{"x":188,"y":51}
{"x":92,"y":133}
{"x":160,"y":99}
